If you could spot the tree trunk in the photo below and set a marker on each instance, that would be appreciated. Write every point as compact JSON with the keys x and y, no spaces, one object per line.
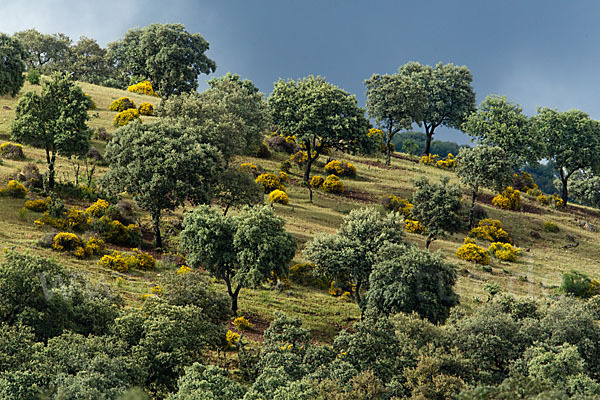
{"x":226,"y":209}
{"x":428,"y":137}
{"x":307,"y":169}
{"x":156,"y":226}
{"x":428,"y":241}
{"x":310,"y":193}
{"x":472,"y":209}
{"x":233,"y":294}
{"x":564,"y":178}
{"x":50,"y":159}
{"x":388,"y":151}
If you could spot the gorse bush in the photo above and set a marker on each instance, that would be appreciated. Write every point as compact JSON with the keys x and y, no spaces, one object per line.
{"x":340,"y":168}
{"x":242,"y":323}
{"x":14,"y":189}
{"x":429,"y":159}
{"x":146,"y":109}
{"x":39,"y":205}
{"x":551,"y":200}
{"x":270,"y":182}
{"x":473,"y":253}
{"x":115,"y":232}
{"x":509,"y":199}
{"x":144,"y":87}
{"x":448,"y":163}
{"x":300,"y":158}
{"x":12,"y":151}
{"x":66,"y":241}
{"x":504,"y":251}
{"x":414,"y":226}
{"x":317,"y":181}
{"x":123,"y":262}
{"x":97,"y":209}
{"x":333,"y":184}
{"x":397,"y":204}
{"x":279,"y":197}
{"x":490,"y":230}
{"x":122,"y":104}
{"x":523,"y":182}
{"x":125,"y":117}
{"x":550,"y":227}
{"x":283,"y":176}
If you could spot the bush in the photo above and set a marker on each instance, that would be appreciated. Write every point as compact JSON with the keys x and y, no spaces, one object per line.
{"x":242,"y":323}
{"x":115,"y":232}
{"x":279,"y":197}
{"x":413,"y":226}
{"x":122,"y":104}
{"x":299,"y":157}
{"x":91,"y":104}
{"x":285,"y":166}
{"x":280,"y":144}
{"x":115,"y":261}
{"x":340,"y":168}
{"x":125,"y":117}
{"x":317,"y":181}
{"x":429,"y":159}
{"x":29,"y":176}
{"x":490,"y":230}
{"x":397,"y":204}
{"x":14,"y":189}
{"x":504,"y":251}
{"x":12,"y":151}
{"x":144,"y":87}
{"x":552,"y":200}
{"x":66,"y":241}
{"x":550,"y":227}
{"x":283,"y":176}
{"x":333,"y":184}
{"x":509,"y":199}
{"x":263,"y":151}
{"x":146,"y":109}
{"x":448,"y":163}
{"x":533,"y":192}
{"x":33,"y":76}
{"x":270,"y":182}
{"x":576,"y":283}
{"x":473,"y":253}
{"x":523,"y":182}
{"x":102,"y":134}
{"x":124,"y":262}
{"x":305,"y":274}
{"x":94,"y":246}
{"x":97,"y":209}
{"x":39,"y":205}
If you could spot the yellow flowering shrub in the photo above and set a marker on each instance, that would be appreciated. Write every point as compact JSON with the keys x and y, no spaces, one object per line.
{"x":146,"y":109}
{"x":77,"y":220}
{"x":157,"y":290}
{"x":233,"y":339}
{"x":66,"y":241}
{"x":90,"y":101}
{"x":429,"y":159}
{"x":79,"y":252}
{"x":473,"y":253}
{"x":509,"y":199}
{"x":249,"y":168}
{"x":39,"y":205}
{"x":448,"y":163}
{"x":242,"y":323}
{"x":397,"y":204}
{"x":283,"y":176}
{"x":490,"y":230}
{"x":550,"y":226}
{"x":114,"y":231}
{"x":184,"y":269}
{"x":413,"y":226}
{"x":269,"y":182}
{"x":12,"y":151}
{"x":142,"y":261}
{"x":97,"y":209}
{"x":279,"y":197}
{"x":504,"y":251}
{"x":594,"y":288}
{"x":14,"y":189}
{"x":340,"y":168}
{"x":125,"y":117}
{"x":115,"y":261}
{"x":333,"y":184}
{"x":144,"y":87}
{"x":317,"y":181}
{"x":122,"y":104}
{"x":124,"y":262}
{"x":552,"y":200}
{"x":300,"y":157}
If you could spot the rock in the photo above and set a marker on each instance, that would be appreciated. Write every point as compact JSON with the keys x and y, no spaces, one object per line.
{"x":6,"y":107}
{"x":535,"y":235}
{"x":589,"y":227}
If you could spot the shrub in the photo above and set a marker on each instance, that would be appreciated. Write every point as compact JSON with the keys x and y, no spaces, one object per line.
{"x":250,"y":168}
{"x":94,"y":246}
{"x":504,"y":251}
{"x":33,"y":76}
{"x":509,"y":199}
{"x":122,"y":104}
{"x":233,"y":339}
{"x":39,"y":205}
{"x":397,"y":204}
{"x":144,"y":87}
{"x":115,"y":261}
{"x":534,"y":192}
{"x":115,"y":232}
{"x":305,"y":274}
{"x":280,"y":144}
{"x":70,"y":191}
{"x":124,"y":262}
{"x":66,"y":241}
{"x":270,"y":182}
{"x":317,"y":181}
{"x":29,"y":176}
{"x":279,"y":197}
{"x":552,"y":200}
{"x":283,"y":176}
{"x":575,"y":283}
{"x":413,"y":226}
{"x":263,"y":151}
{"x":14,"y":189}
{"x":490,"y":230}
{"x":242,"y":323}
{"x":523,"y":182}
{"x":473,"y":253}
{"x":125,"y":117}
{"x":448,"y":163}
{"x":142,"y":261}
{"x":340,"y":168}
{"x":285,"y":166}
{"x":77,"y":220}
{"x":97,"y":209}
{"x":91,"y":104}
{"x":102,"y":134}
{"x":550,"y":227}
{"x":12,"y":151}
{"x":429,"y":159}
{"x":146,"y":109}
{"x":333,"y":184}
{"x":299,"y":157}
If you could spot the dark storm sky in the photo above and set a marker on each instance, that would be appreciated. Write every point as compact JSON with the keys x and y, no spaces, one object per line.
{"x":537,"y":53}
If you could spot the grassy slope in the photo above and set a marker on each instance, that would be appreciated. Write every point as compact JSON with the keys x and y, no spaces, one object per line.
{"x":535,"y":273}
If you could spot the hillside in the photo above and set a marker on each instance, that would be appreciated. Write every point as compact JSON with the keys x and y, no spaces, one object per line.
{"x":536,"y":273}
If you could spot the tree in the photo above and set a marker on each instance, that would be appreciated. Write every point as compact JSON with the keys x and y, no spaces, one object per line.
{"x":483,"y":167}
{"x":584,"y":188}
{"x":12,"y":66}
{"x":88,"y":62}
{"x":394,"y":102}
{"x":204,"y":382}
{"x":244,"y":250}
{"x":498,"y":122}
{"x":162,"y":166}
{"x":348,"y":256}
{"x":320,"y":115}
{"x":450,"y":98}
{"x":572,"y":141}
{"x":231,"y":113}
{"x":407,"y":280}
{"x":54,"y":120}
{"x":236,"y":188}
{"x":45,"y":52}
{"x":166,"y":54}
{"x":437,"y":206}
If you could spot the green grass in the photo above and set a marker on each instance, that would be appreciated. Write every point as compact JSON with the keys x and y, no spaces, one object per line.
{"x":536,"y":273}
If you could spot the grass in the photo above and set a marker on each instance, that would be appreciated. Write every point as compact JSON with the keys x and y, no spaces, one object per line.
{"x":536,"y":273}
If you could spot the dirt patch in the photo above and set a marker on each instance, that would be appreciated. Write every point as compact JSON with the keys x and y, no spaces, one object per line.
{"x":404,"y":157}
{"x":256,"y":333}
{"x":379,"y":164}
{"x":360,"y":195}
{"x":486,"y":198}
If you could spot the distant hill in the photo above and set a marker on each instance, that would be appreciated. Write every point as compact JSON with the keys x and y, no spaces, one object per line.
{"x":438,"y":147}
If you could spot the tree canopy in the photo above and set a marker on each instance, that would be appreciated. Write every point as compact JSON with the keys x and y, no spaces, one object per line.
{"x":12,"y":66}
{"x":54,"y":120}
{"x":162,"y":166}
{"x":45,"y":52}
{"x":166,"y":54}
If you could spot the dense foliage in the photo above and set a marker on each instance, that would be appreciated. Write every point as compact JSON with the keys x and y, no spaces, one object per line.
{"x":12,"y":65}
